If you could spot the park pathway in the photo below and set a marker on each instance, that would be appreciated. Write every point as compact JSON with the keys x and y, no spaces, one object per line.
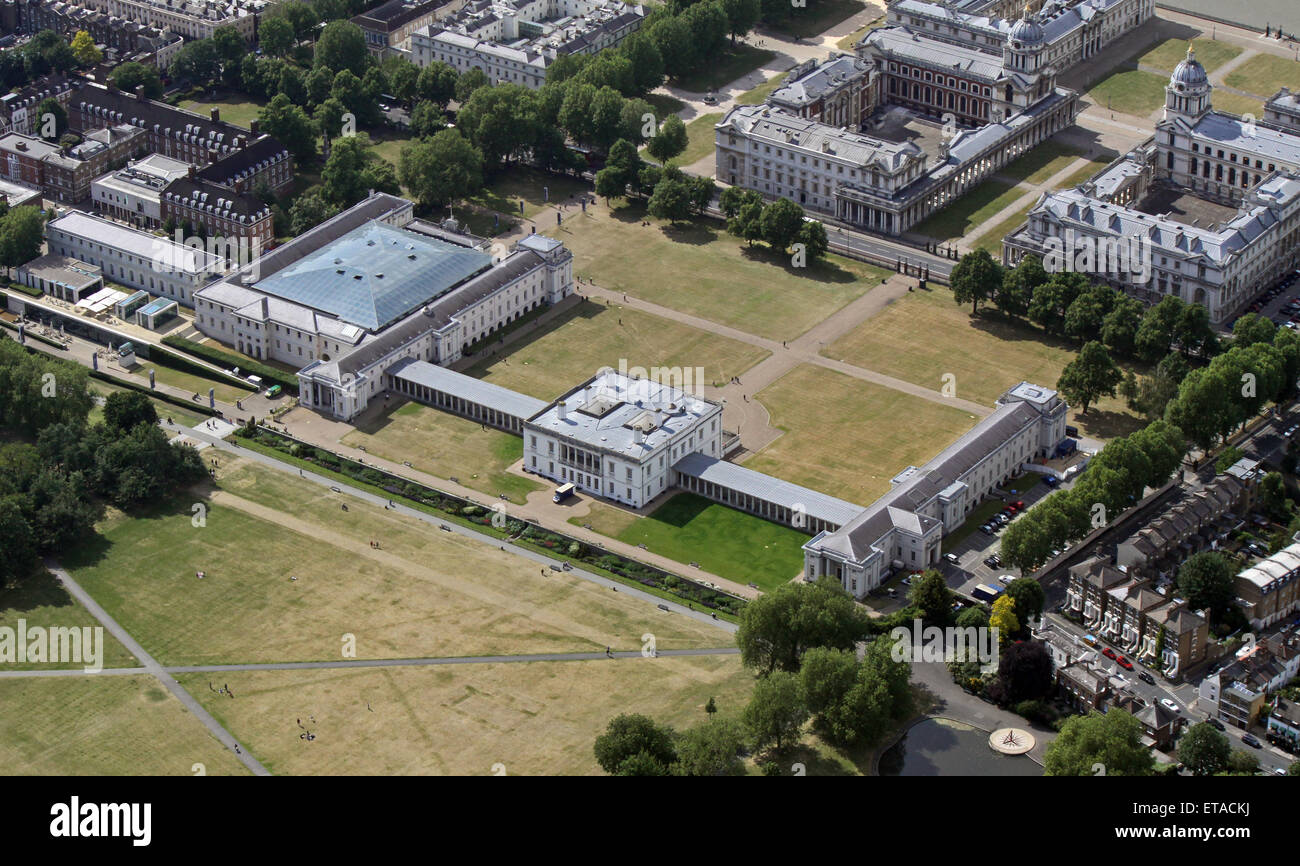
{"x":151,"y":666}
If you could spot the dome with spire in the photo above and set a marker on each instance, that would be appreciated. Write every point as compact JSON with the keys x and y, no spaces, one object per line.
{"x":1189,"y":72}
{"x":1027,"y":32}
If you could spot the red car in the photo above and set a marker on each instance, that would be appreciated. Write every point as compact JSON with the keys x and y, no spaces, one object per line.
{"x":1108,"y":653}
{"x":1019,"y":504}
{"x":1125,"y":663}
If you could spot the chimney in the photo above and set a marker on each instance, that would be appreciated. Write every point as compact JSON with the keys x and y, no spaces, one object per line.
{"x":192,"y":171}
{"x":112,"y":88}
{"x":253,"y":125}
{"x":215,"y":112}
{"x":562,"y":411}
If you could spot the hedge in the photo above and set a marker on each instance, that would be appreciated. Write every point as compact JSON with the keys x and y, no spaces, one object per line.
{"x":287,"y":381}
{"x":193,"y":406}
{"x":26,"y":290}
{"x":164,"y":358}
{"x":563,"y":546}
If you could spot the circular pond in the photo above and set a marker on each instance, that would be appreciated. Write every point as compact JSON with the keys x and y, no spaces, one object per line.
{"x":943,"y":747}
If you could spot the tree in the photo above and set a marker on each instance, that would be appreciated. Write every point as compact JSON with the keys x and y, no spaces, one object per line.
{"x":1253,"y":328}
{"x":1028,"y":596}
{"x":197,"y":62}
{"x":437,"y":84}
{"x":123,"y":410}
{"x":930,"y":595}
{"x":1203,"y":750}
{"x":742,"y":15}
{"x":975,"y":279}
{"x":711,"y":749}
{"x":342,"y":46}
{"x":669,"y":141}
{"x":781,"y":223}
{"x":21,"y":233}
{"x":776,"y":712}
{"x":275,"y":35}
{"x":1206,"y":581}
{"x":1089,"y":376}
{"x":127,"y":76}
{"x":1159,"y":326}
{"x":49,"y":107}
{"x":309,"y":210}
{"x":352,"y":169}
{"x":1119,"y":328}
{"x":711,"y":707}
{"x":441,"y":169}
{"x":671,"y":199}
{"x":291,"y":125}
{"x":973,"y":617}
{"x":630,"y":735}
{"x":1018,"y":285}
{"x":813,"y":237}
{"x":646,"y":61}
{"x":1112,"y":742}
{"x":606,"y":117}
{"x":1003,"y":617}
{"x":1085,"y":315}
{"x":17,"y":547}
{"x":83,"y":48}
{"x":1293,"y":769}
{"x":500,"y":121}
{"x":229,"y":44}
{"x":778,"y":627}
{"x":1025,"y":673}
{"x":469,"y":83}
{"x":1242,"y":763}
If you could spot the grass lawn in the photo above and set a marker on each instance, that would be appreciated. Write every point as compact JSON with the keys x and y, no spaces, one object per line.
{"x":763,"y":91}
{"x":698,"y":268}
{"x":818,"y":16}
{"x":724,"y":541}
{"x":105,"y":726}
{"x":1130,"y":91}
{"x":725,"y":68}
{"x":973,"y":209}
{"x":387,"y":144}
{"x":847,"y":437}
{"x":700,"y":139}
{"x":987,"y":354}
{"x":425,"y":593}
{"x":534,"y":718}
{"x":1084,"y":172}
{"x":518,"y":182}
{"x":1264,"y":74}
{"x":1041,"y":163}
{"x":42,"y":601}
{"x":1209,"y":52}
{"x":591,"y":335}
{"x":165,"y":410}
{"x":848,"y":43}
{"x":238,"y":111}
{"x":992,"y":239}
{"x":191,"y":382}
{"x":443,"y":444}
{"x":664,"y":104}
{"x":1235,"y":103}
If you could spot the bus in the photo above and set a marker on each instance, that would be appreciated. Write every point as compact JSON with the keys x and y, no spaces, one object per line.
{"x":986,"y":592}
{"x":563,"y":492}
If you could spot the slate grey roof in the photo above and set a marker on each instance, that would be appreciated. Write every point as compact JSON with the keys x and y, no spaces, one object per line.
{"x":466,"y":387}
{"x":785,"y":130}
{"x":767,"y":488}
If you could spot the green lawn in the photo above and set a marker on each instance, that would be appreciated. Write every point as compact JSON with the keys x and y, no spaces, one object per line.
{"x":538,"y":190}
{"x":424,"y":592}
{"x":195,"y":384}
{"x":818,"y":16}
{"x":992,"y":239}
{"x":387,"y":145}
{"x":848,"y":43}
{"x":763,"y":91}
{"x":986,"y":354}
{"x":974,"y":208}
{"x":1209,"y":52}
{"x":664,"y":104}
{"x":700,"y":139}
{"x":591,"y":335}
{"x":1264,"y":75}
{"x":1130,"y":91}
{"x":724,"y":541}
{"x":105,"y":726}
{"x":42,"y":601}
{"x":847,"y":437}
{"x":1235,"y":103}
{"x":446,"y":445}
{"x":1041,"y":163}
{"x":723,"y":69}
{"x":698,"y":268}
{"x":238,"y":111}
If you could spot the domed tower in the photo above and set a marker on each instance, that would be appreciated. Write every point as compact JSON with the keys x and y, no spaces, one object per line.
{"x":1188,"y":93}
{"x":1024,"y":49}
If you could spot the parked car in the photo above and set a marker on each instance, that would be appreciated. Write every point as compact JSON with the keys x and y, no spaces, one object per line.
{"x":1108,"y":653}
{"x":1147,"y":678}
{"x":907,"y":581}
{"x":1051,"y":480}
{"x":993,"y":561}
{"x":1214,"y":723}
{"x":951,"y":557}
{"x":1124,"y":663}
{"x":1249,"y":739}
{"x":1006,"y":578}
{"x":1170,"y":705}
